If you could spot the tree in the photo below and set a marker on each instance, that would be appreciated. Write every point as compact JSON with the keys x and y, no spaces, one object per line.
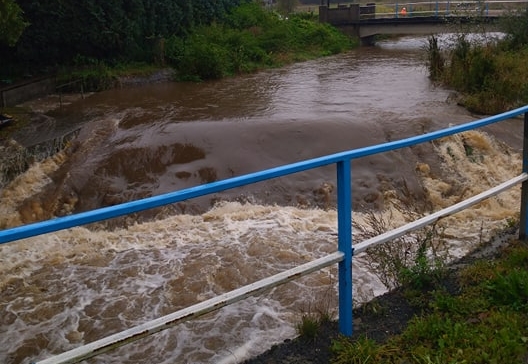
{"x":12,"y":23}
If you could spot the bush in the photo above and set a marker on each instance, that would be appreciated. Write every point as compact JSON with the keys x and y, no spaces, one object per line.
{"x":435,"y":59}
{"x":416,"y":260}
{"x":203,"y":59}
{"x":251,"y":38}
{"x":492,"y":76}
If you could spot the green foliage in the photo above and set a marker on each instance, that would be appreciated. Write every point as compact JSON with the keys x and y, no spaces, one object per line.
{"x":435,"y":59}
{"x":12,"y":23}
{"x":287,"y":7}
{"x":308,"y":327}
{"x":361,"y":351}
{"x":417,"y":260}
{"x":95,"y":76}
{"x":517,"y":257}
{"x":250,"y":15}
{"x":485,"y":323}
{"x":497,"y":337}
{"x":200,"y":39}
{"x":204,"y":58}
{"x":109,"y":31}
{"x":510,"y":289}
{"x":423,"y":273}
{"x":492,"y":76}
{"x":250,"y":38}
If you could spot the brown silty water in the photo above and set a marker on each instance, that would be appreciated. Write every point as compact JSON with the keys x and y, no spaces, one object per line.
{"x":61,"y":290}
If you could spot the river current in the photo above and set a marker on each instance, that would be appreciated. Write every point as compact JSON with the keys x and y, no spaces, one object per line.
{"x":69,"y":288}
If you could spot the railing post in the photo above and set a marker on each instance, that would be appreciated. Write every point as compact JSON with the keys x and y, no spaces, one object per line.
{"x":523,"y":223}
{"x":344,"y":225}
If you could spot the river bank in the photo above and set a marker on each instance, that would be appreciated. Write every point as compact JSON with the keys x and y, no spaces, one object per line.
{"x":385,"y":316}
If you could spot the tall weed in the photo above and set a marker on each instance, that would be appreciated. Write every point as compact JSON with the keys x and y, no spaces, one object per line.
{"x":416,"y":260}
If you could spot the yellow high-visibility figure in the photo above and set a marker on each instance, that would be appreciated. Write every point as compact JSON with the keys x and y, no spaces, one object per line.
{"x":403,"y":12}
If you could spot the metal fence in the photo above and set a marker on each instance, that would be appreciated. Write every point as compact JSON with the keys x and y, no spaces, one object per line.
{"x":342,"y":256}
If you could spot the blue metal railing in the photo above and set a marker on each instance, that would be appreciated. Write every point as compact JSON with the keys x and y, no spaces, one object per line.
{"x":344,"y":208}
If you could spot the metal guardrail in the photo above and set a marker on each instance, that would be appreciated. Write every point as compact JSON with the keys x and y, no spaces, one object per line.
{"x":59,"y":88}
{"x":443,"y":8}
{"x":343,"y":255}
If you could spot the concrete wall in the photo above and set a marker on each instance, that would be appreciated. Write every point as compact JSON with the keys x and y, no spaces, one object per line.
{"x":18,"y":93}
{"x":341,"y":15}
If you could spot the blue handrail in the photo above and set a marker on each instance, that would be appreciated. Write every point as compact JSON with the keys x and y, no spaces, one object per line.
{"x":344,"y":208}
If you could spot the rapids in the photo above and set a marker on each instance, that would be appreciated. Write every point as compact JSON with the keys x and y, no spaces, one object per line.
{"x":62,"y":290}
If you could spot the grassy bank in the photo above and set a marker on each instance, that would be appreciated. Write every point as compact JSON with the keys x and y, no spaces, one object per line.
{"x":479,"y":314}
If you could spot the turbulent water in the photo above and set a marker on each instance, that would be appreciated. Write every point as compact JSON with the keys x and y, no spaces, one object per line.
{"x":69,"y":288}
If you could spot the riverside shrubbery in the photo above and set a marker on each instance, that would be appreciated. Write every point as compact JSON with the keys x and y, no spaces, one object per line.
{"x":492,"y":76}
{"x":251,"y":38}
{"x":247,"y":39}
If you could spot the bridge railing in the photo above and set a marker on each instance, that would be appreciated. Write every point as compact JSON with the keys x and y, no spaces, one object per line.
{"x":342,"y":256}
{"x":437,"y":9}
{"x":445,"y":8}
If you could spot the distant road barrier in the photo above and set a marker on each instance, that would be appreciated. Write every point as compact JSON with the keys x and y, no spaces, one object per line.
{"x":343,"y":255}
{"x":463,"y":8}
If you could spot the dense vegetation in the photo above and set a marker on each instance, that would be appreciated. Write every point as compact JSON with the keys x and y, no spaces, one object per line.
{"x":493,"y":76}
{"x":200,"y":39}
{"x":250,"y":38}
{"x":64,"y":32}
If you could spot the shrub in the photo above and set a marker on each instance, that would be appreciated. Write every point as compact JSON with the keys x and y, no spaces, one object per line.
{"x":251,"y":38}
{"x":417,"y":259}
{"x":492,"y":76}
{"x":203,"y":59}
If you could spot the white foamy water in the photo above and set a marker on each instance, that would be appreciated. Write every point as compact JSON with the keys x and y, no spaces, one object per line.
{"x":84,"y":285}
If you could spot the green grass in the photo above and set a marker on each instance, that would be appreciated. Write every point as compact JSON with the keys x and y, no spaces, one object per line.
{"x":486,"y":322}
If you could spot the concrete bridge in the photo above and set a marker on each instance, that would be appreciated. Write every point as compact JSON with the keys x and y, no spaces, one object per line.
{"x":415,"y":18}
